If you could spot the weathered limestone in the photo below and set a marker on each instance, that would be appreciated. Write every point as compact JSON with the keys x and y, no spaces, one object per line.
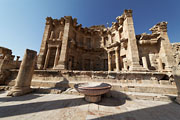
{"x":144,"y":61}
{"x":176,"y":74}
{"x":63,"y":56}
{"x":66,"y":45}
{"x":166,"y":48}
{"x":160,"y":65}
{"x":47,"y":58}
{"x":117,"y":59}
{"x":176,"y":53}
{"x":7,"y":62}
{"x":128,"y":28}
{"x":23,"y":80}
{"x":109,"y":61}
{"x":56,"y":57}
{"x":41,"y":56}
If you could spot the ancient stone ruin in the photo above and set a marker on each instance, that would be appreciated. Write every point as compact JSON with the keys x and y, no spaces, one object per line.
{"x":24,"y":77}
{"x":7,"y":62}
{"x":132,"y":64}
{"x":67,"y":45}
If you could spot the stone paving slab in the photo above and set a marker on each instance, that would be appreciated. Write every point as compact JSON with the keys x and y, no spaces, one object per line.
{"x":73,"y":107}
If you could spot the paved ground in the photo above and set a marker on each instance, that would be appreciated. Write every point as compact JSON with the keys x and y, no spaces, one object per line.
{"x":72,"y":107}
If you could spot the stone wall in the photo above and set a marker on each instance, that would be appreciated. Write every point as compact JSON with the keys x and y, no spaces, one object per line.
{"x":176,"y":53}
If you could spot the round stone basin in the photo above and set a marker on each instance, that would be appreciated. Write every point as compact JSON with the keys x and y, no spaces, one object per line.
{"x":93,"y":91}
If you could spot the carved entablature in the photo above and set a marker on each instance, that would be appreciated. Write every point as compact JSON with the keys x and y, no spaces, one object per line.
{"x":49,"y":21}
{"x":160,"y":27}
{"x":148,"y":39}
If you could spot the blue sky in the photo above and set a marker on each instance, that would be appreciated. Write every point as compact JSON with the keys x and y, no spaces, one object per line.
{"x":22,"y":22}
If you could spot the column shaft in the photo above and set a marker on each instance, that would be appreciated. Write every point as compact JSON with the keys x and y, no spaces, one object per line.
{"x":117,"y":59}
{"x":144,"y":61}
{"x":109,"y":61}
{"x":47,"y":58}
{"x":160,"y":65}
{"x":56,"y":57}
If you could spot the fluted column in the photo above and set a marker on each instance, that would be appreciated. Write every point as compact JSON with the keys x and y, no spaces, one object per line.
{"x":109,"y":61}
{"x":47,"y":58}
{"x":56,"y":57}
{"x":117,"y":59}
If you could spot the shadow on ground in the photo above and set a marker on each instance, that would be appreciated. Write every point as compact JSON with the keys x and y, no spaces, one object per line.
{"x":20,"y":98}
{"x":169,"y":111}
{"x":25,"y":108}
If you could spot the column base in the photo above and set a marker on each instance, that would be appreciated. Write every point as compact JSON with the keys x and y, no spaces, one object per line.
{"x":93,"y":98}
{"x":19,"y":91}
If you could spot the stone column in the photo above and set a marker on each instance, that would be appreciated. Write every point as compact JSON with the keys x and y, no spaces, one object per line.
{"x":117,"y":59}
{"x":47,"y":58}
{"x":109,"y":61}
{"x":56,"y":57}
{"x":160,"y":65}
{"x":52,"y":35}
{"x":60,"y":35}
{"x":63,"y":56}
{"x":144,"y":61}
{"x":125,"y":64}
{"x":128,"y":31}
{"x":42,"y":53}
{"x":24,"y":77}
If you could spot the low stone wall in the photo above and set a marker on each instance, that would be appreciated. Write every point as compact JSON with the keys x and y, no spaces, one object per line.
{"x":98,"y":76}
